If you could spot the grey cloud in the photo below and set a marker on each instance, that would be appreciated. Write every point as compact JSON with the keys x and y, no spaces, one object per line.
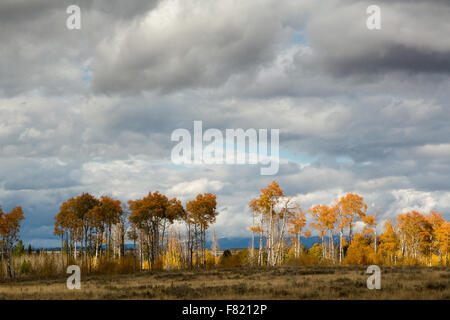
{"x":170,"y":50}
{"x":80,"y":112}
{"x":33,"y":174}
{"x":28,"y":10}
{"x":413,"y":38}
{"x":40,"y":54}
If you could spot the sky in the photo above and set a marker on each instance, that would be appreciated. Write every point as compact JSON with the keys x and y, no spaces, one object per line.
{"x":92,"y":110}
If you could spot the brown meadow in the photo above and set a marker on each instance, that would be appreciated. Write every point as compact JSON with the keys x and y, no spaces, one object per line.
{"x":296,"y":282}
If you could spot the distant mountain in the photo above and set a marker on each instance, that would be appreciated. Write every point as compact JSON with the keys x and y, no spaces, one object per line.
{"x":239,"y":243}
{"x":246,"y":242}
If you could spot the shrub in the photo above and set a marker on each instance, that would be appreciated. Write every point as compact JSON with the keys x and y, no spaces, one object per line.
{"x":304,"y":260}
{"x":25,"y":267}
{"x":237,"y":260}
{"x":124,"y":265}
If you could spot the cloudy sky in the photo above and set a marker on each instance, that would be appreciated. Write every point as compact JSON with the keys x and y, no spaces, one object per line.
{"x":93,"y":109}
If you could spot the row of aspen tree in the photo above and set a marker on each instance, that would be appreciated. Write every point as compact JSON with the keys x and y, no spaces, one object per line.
{"x":104,"y":235}
{"x":101,"y":226}
{"x":411,"y":238}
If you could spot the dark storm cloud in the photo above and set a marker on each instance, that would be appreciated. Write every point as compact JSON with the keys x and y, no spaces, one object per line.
{"x":16,"y":11}
{"x":413,"y":38}
{"x":24,"y":10}
{"x":395,"y":57}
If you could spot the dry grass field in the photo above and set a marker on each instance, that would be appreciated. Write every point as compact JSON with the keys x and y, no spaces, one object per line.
{"x":318,"y":282}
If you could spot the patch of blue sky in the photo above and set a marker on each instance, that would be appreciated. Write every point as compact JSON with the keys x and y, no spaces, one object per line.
{"x":283,"y":154}
{"x":178,"y":167}
{"x":298,"y":38}
{"x":344,"y":160}
{"x":300,"y":157}
{"x":86,"y":75}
